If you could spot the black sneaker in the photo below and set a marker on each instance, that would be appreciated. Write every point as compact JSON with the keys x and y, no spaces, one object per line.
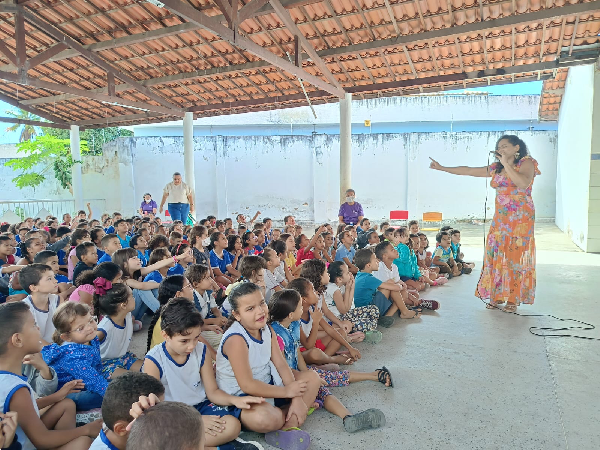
{"x":371,"y":418}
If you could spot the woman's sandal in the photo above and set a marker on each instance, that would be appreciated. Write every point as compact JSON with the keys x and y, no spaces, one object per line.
{"x":289,"y":439}
{"x":416,"y":316}
{"x":383,"y":375}
{"x":373,"y":337}
{"x":510,"y":308}
{"x":371,"y":418}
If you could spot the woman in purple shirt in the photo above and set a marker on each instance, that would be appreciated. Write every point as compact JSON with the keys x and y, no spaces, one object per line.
{"x":351,"y":212}
{"x":148,"y":205}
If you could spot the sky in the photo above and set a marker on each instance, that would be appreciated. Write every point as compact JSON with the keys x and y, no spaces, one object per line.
{"x":529,"y":88}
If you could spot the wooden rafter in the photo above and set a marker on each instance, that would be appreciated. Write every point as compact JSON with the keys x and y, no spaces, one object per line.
{"x":574,"y":35}
{"x":562,"y":37}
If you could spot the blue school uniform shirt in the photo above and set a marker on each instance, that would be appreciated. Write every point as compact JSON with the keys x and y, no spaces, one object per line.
{"x":73,"y":361}
{"x":365,"y":285}
{"x":258,"y":250}
{"x":219,"y":263}
{"x":100,"y":253}
{"x":61,"y":278}
{"x":455,"y":250}
{"x":444,"y":255}
{"x":124,"y":242}
{"x":177,"y":269}
{"x":109,"y":230}
{"x":106,"y":257}
{"x":143,"y":258}
{"x":407,"y":262}
{"x":10,"y":383}
{"x":154,"y":276}
{"x":291,"y":341}
{"x":343,"y":252}
{"x":61,"y":257}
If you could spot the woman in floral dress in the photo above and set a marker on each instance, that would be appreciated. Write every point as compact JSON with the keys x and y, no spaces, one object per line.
{"x":508,"y":274}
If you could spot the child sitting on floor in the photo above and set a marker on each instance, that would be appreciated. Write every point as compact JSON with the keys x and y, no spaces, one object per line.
{"x":220,"y":260}
{"x":115,"y":302}
{"x":458,"y":256}
{"x":181,"y":364}
{"x":319,"y":339}
{"x":50,"y":258}
{"x":442,"y":257}
{"x":285,"y":311}
{"x":17,"y":325}
{"x":199,"y":277}
{"x":249,"y":362}
{"x":408,"y":268}
{"x":346,"y":251}
{"x":75,"y":354}
{"x":39,"y":282}
{"x":388,"y":296}
{"x":339,"y":297}
{"x":87,"y":256}
{"x":110,"y":243}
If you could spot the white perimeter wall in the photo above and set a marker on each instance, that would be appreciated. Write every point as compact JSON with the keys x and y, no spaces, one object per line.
{"x":574,"y":148}
{"x":299,"y":175}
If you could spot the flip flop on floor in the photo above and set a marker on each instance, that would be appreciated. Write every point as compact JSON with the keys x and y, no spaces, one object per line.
{"x":371,"y":418}
{"x":383,"y":375}
{"x":290,"y":439}
{"x":386,"y":321}
{"x":373,"y":337}
{"x":416,"y":316}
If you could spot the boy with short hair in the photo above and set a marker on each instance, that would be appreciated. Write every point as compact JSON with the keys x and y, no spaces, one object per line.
{"x":20,"y":337}
{"x":122,"y":232}
{"x":388,"y":234}
{"x":346,"y":251}
{"x":458,"y":256}
{"x":88,"y":257}
{"x":50,"y":258}
{"x":120,"y":394}
{"x":175,"y":238}
{"x":110,"y":244}
{"x":442,"y":257}
{"x":372,"y":240}
{"x":386,"y":253}
{"x":168,"y":425}
{"x":413,"y":227}
{"x":39,"y":282}
{"x":386,"y":295}
{"x":96,"y":235}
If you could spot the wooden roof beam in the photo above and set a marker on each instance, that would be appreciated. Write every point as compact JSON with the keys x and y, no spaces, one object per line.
{"x":285,"y":16}
{"x":14,"y":102}
{"x":36,"y":82}
{"x":61,"y":37}
{"x":208,"y":23}
{"x":35,"y":123}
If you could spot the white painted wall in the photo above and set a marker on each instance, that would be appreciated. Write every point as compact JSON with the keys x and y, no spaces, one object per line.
{"x":299,"y":175}
{"x":574,"y":148}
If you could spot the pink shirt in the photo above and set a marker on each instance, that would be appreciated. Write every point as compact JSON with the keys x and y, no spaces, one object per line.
{"x":70,"y":265}
{"x":89,"y":288}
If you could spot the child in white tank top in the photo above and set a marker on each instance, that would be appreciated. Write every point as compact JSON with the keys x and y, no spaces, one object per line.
{"x":184,"y":367}
{"x":115,"y":302}
{"x":249,"y":362}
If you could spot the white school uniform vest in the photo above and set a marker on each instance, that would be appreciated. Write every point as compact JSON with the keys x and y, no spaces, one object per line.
{"x":116,"y":338}
{"x":9,"y":384}
{"x":259,"y":356}
{"x":43,"y":319}
{"x":182,"y":382}
{"x":102,"y":443}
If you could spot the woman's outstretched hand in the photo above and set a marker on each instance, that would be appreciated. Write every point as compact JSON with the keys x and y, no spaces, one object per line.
{"x":434,"y":164}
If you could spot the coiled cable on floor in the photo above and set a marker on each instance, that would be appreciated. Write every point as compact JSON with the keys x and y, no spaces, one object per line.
{"x":536,"y":331}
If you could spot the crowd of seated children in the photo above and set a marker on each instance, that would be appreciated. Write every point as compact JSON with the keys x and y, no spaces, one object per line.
{"x":207,"y":287}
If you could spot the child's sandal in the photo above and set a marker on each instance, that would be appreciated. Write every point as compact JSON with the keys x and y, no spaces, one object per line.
{"x":383,"y":375}
{"x":290,"y":439}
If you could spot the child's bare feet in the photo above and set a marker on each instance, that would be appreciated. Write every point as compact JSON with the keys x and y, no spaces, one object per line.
{"x":410,"y":315}
{"x":342,"y":359}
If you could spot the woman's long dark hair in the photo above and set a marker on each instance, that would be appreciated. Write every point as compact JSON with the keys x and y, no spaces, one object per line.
{"x":514,"y":140}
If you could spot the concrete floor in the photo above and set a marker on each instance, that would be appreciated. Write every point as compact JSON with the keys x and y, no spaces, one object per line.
{"x":470,"y":378}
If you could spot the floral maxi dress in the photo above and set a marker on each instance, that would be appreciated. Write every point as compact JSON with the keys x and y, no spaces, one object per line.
{"x":508,"y":273}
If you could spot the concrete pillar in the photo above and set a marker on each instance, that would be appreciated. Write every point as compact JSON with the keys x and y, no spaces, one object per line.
{"x":188,"y":153}
{"x":221,"y":178}
{"x":76,"y":169}
{"x":345,"y":145}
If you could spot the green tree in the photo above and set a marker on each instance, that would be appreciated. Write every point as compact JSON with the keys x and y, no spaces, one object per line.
{"x":29,"y":131}
{"x":46,"y":154}
{"x":95,"y":137}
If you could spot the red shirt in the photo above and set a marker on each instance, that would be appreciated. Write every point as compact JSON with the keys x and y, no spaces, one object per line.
{"x":301,"y":256}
